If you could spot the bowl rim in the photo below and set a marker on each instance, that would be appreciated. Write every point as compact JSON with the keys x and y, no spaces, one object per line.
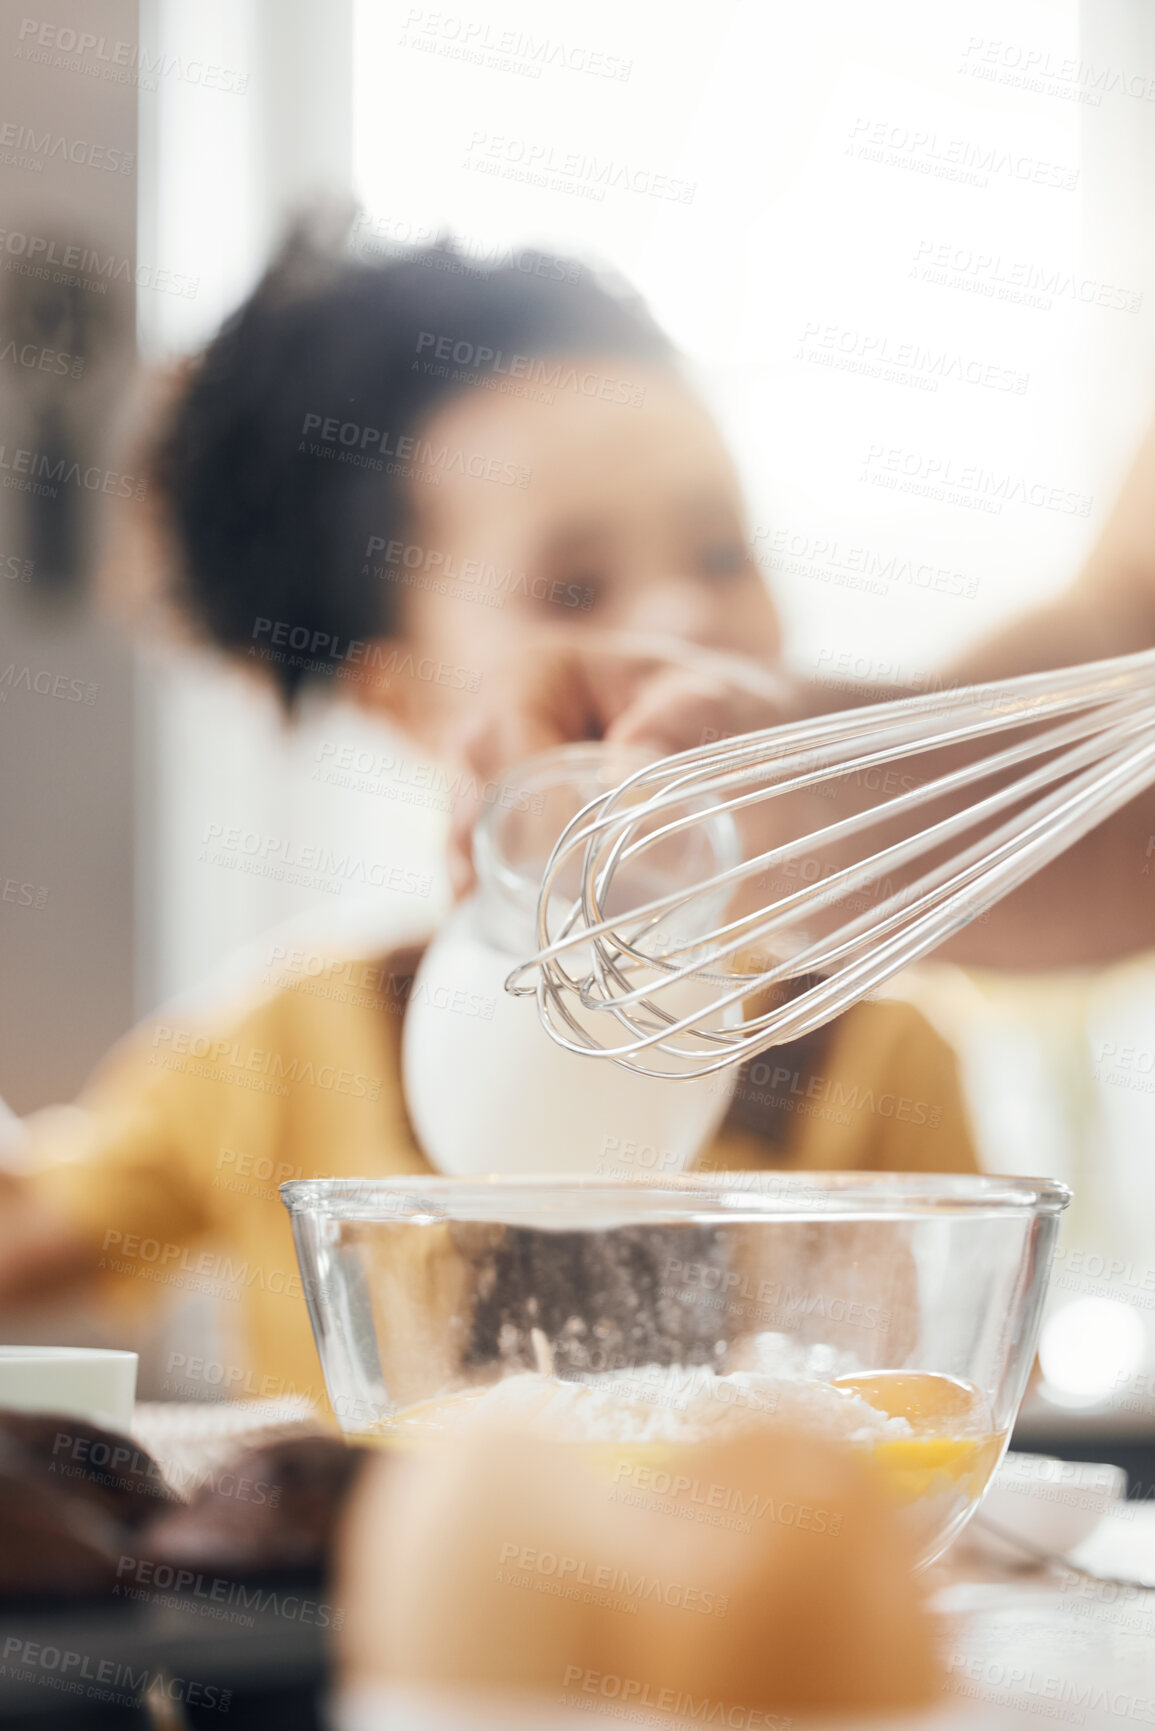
{"x":701,"y":1195}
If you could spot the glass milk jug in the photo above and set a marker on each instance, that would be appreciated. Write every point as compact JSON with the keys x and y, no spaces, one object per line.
{"x":486,"y":1087}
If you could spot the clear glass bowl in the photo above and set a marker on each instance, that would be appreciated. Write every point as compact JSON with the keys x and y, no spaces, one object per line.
{"x":898,"y":1310}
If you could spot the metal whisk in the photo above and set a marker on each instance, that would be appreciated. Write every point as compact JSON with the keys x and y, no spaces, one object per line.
{"x":690,"y":981}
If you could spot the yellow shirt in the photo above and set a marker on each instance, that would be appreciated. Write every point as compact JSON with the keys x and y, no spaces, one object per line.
{"x":169,"y":1164}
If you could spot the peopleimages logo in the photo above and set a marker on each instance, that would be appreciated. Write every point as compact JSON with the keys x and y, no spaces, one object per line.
{"x":16,"y":569}
{"x":677,"y":1707}
{"x":478,"y":360}
{"x":631,"y":1590}
{"x":37,"y":472}
{"x":142,"y":1578}
{"x":271,"y":856}
{"x":348,"y":437}
{"x":374,"y":767}
{"x":98,"y":1679}
{"x":67,"y":49}
{"x":877,"y":355}
{"x":948,"y":481}
{"x":376,"y":235}
{"x":710,"y":1503}
{"x":325,"y":650}
{"x":23,"y":895}
{"x":42,"y":147}
{"x":44,"y":683}
{"x":33,"y":357}
{"x":41,"y":256}
{"x":227,"y":1059}
{"x":826,"y":559}
{"x":430,"y":567}
{"x":1026,"y":66}
{"x":968,"y":161}
{"x":1023,"y":282}
{"x":545,"y":164}
{"x":481,"y":43}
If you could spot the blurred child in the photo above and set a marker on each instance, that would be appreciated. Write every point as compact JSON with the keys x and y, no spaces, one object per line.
{"x":401,"y":479}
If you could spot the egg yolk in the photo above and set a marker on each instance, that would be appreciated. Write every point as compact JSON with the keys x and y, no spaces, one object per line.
{"x":950,"y":1441}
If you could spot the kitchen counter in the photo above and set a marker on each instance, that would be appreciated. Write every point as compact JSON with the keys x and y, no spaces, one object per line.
{"x":1020,"y":1648}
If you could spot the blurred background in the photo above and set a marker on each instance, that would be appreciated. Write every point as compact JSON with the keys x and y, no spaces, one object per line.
{"x":899,"y":229}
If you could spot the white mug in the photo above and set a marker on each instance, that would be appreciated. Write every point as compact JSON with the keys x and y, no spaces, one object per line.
{"x":91,"y":1382}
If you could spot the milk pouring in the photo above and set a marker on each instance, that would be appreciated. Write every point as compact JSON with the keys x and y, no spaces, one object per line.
{"x":486,"y":1087}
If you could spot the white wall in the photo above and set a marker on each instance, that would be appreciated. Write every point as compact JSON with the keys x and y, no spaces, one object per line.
{"x":65,"y":766}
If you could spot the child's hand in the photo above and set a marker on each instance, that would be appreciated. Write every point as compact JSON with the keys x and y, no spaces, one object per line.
{"x":659,"y":693}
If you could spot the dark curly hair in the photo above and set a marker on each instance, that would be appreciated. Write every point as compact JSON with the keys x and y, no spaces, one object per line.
{"x":265,"y":529}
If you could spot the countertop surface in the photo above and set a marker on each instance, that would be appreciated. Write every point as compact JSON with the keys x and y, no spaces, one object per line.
{"x":1020,"y":1646}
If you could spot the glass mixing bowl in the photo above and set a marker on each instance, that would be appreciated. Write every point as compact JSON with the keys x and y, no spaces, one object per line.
{"x":900,"y":1311}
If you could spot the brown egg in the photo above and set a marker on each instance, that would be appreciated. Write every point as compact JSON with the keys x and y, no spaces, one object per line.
{"x":822,"y":1611}
{"x":770,"y":1572}
{"x":425,"y":1571}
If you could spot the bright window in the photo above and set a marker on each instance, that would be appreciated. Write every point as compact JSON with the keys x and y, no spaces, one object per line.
{"x":876,"y":268}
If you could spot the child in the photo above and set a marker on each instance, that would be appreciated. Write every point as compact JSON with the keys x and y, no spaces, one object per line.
{"x":361,"y":456}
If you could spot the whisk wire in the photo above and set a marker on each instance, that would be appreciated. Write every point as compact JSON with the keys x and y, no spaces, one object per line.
{"x":667,"y":973}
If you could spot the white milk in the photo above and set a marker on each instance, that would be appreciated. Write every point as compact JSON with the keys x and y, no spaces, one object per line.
{"x":488,"y":1090}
